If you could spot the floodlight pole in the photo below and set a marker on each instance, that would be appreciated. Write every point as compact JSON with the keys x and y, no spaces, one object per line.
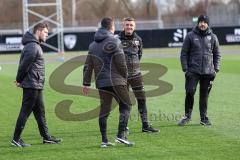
{"x":160,"y":23}
{"x":73,"y":13}
{"x":29,"y":8}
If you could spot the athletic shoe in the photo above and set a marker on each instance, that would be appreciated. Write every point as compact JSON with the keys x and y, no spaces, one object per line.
{"x":51,"y":140}
{"x":149,"y":129}
{"x":124,"y":141}
{"x":185,"y":120}
{"x":19,"y":143}
{"x":205,"y":122}
{"x":106,"y":144}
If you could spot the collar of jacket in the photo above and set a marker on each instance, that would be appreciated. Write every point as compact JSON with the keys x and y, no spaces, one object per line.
{"x":201,"y":32}
{"x":127,"y":37}
{"x":102,"y":34}
{"x":29,"y":37}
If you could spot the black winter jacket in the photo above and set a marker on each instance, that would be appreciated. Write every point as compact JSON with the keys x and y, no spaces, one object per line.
{"x":200,"y":52}
{"x":132,"y":47}
{"x":107,"y":59}
{"x":31,"y":70}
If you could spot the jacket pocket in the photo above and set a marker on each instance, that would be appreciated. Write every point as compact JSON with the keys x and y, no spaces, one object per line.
{"x":189,"y":74}
{"x":33,"y":76}
{"x":40,"y":76}
{"x":208,"y":64}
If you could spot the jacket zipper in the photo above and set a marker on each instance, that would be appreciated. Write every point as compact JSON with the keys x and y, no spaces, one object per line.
{"x":202,"y":41}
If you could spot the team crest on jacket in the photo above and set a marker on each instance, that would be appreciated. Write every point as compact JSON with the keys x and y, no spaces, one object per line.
{"x":136,"y":42}
{"x":209,"y":38}
{"x":70,"y":41}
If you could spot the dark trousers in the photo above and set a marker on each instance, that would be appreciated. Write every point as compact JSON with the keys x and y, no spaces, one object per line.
{"x":136,"y":84}
{"x":32,"y":101}
{"x":120,"y":93}
{"x":192,"y":80}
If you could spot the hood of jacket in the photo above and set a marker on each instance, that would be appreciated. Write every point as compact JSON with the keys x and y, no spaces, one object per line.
{"x":28,"y":37}
{"x":102,"y":34}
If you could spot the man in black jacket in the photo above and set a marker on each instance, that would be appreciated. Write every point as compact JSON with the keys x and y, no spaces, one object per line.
{"x":30,"y":77}
{"x":107,"y":59}
{"x":200,"y":60}
{"x":132,"y":47}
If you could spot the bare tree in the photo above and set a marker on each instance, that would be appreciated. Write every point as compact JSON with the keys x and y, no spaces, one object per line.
{"x":10,"y":14}
{"x":88,"y":12}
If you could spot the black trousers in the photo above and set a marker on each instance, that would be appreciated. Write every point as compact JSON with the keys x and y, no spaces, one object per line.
{"x":192,"y":80}
{"x":120,"y":93}
{"x":32,"y":101}
{"x":137,"y":86}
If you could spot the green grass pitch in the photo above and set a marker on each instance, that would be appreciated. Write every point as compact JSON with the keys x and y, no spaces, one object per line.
{"x":81,"y":139}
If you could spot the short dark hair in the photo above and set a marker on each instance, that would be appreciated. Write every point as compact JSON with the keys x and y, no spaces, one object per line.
{"x":39,"y":26}
{"x":107,"y":23}
{"x":128,"y":19}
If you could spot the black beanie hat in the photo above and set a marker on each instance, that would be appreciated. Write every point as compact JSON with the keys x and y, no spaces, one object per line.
{"x":203,"y":18}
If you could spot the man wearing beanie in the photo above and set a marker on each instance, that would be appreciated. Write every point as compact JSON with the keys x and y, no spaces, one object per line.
{"x":200,"y":60}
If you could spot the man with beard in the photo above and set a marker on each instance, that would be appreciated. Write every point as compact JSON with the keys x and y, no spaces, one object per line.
{"x":200,"y":60}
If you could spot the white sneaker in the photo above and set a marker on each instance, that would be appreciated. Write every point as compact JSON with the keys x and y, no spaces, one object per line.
{"x":124,"y":141}
{"x":108,"y":144}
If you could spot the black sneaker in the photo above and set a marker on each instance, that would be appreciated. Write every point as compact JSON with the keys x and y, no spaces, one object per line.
{"x":149,"y":129}
{"x":19,"y":143}
{"x":124,"y":141}
{"x":51,"y":140}
{"x":205,"y":122}
{"x":185,"y":120}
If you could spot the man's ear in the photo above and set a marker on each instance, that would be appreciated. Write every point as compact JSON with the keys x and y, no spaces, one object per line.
{"x":123,"y":25}
{"x":38,"y":32}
